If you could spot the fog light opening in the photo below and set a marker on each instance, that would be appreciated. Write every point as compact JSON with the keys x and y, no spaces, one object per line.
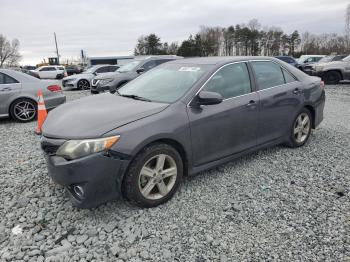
{"x":78,"y":191}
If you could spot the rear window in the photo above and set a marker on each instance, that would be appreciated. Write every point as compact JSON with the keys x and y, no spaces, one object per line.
{"x":60,"y":68}
{"x":5,"y":79}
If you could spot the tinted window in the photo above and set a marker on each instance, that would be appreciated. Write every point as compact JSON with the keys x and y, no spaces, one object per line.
{"x":60,"y":68}
{"x":113,"y":68}
{"x":103,"y":69}
{"x":230,"y":81}
{"x":267,"y":74}
{"x":162,"y":61}
{"x":288,"y":76}
{"x":5,"y":79}
{"x":149,"y":65}
{"x":48,"y":69}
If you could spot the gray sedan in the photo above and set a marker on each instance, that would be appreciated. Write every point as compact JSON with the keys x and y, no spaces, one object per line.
{"x":18,"y":95}
{"x":178,"y":119}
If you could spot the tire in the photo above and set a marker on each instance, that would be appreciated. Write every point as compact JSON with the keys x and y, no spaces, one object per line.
{"x":23,"y":110}
{"x":332,"y":78}
{"x":300,"y":132}
{"x":151,"y":188}
{"x":83,"y":84}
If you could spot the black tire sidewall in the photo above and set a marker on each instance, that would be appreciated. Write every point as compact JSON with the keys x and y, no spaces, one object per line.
{"x":334,"y":82}
{"x":293,"y":142}
{"x":12,"y":112}
{"x":130,"y":182}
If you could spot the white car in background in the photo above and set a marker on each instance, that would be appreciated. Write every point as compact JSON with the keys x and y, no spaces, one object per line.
{"x":83,"y":81}
{"x":51,"y":72}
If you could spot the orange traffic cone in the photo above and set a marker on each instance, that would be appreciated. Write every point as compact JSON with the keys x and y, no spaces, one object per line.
{"x":42,"y":113}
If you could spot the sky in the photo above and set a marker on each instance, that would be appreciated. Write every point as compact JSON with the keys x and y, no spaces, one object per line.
{"x":112,"y":27}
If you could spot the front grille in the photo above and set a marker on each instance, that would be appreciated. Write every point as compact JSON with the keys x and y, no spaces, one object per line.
{"x":50,"y":149}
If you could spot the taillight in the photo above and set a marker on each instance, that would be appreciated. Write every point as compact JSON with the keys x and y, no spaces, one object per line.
{"x":322,"y":85}
{"x":54,"y":88}
{"x":65,"y":74}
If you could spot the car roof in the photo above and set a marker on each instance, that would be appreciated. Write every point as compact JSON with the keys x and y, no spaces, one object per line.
{"x":216,"y":60}
{"x":151,"y":57}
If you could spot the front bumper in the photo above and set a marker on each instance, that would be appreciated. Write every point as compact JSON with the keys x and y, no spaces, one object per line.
{"x":98,"y":89}
{"x":70,"y":84}
{"x":98,"y":175}
{"x":314,"y":73}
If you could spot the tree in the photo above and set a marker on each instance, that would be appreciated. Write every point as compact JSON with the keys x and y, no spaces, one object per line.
{"x":9,"y":52}
{"x":149,"y":45}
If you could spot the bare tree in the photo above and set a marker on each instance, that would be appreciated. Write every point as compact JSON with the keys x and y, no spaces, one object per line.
{"x":9,"y":52}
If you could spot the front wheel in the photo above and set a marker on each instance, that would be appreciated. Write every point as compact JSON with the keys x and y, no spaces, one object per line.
{"x":332,"y":78}
{"x":153,"y":176}
{"x":83,"y":84}
{"x":301,"y":129}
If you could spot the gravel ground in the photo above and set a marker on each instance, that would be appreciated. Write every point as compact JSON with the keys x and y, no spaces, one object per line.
{"x":277,"y":204}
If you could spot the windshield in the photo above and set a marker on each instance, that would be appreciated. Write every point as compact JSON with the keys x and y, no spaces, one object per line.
{"x":326,"y":59}
{"x":128,"y":67}
{"x":91,"y":69}
{"x":347,"y":59}
{"x":166,"y":83}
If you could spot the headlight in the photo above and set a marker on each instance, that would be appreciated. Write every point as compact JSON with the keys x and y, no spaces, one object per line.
{"x":73,"y":149}
{"x":106,"y":81}
{"x":71,"y":80}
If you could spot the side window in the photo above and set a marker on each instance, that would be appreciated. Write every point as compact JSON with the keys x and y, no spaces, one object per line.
{"x":268,"y":74}
{"x":113,"y":68}
{"x":48,"y":69}
{"x":60,"y":68}
{"x":103,"y":69}
{"x":288,"y":76}
{"x":5,"y":79}
{"x":230,"y":81}
{"x":149,"y":65}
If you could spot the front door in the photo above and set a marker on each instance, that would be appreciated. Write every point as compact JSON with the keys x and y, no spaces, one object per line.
{"x":229,"y":127}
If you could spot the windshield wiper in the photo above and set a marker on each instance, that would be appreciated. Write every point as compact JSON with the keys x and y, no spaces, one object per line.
{"x":136,"y":97}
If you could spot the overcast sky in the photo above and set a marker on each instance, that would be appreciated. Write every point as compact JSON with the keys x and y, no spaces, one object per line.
{"x":111,"y":27}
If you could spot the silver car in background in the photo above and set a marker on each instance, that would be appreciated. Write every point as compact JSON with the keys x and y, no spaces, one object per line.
{"x":18,"y":95}
{"x":83,"y":81}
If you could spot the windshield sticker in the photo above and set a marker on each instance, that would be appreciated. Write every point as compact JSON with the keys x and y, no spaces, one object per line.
{"x":189,"y":69}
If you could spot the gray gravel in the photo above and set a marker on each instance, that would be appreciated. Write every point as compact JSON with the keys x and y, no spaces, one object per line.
{"x":276,"y":204}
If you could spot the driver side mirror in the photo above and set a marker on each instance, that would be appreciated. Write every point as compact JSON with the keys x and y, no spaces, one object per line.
{"x":208,"y":98}
{"x":140,"y":70}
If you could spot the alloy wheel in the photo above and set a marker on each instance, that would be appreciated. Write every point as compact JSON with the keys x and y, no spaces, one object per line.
{"x":83,"y":84}
{"x":302,"y":128}
{"x":157,"y":177}
{"x":24,"y":111}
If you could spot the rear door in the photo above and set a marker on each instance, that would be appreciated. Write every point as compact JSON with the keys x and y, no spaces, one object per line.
{"x":229,"y":127}
{"x":280,"y":95}
{"x":9,"y":87}
{"x":48,"y":72}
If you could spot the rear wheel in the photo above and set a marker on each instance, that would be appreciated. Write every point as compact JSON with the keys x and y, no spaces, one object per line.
{"x":23,"y":110}
{"x":83,"y":84}
{"x":154,"y":176}
{"x":332,"y":78}
{"x":301,"y":129}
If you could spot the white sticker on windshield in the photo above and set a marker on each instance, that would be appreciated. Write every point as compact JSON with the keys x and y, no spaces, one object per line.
{"x":189,"y":69}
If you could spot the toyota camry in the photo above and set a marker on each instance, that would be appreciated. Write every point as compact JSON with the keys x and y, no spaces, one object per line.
{"x":178,"y":119}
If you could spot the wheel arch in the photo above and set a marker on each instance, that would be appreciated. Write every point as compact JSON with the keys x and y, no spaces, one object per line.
{"x":334,"y":70}
{"x":313,"y":114}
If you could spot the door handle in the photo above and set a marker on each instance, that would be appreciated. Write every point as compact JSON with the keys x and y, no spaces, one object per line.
{"x":6,"y":89}
{"x":296,"y":91}
{"x":251,"y":103}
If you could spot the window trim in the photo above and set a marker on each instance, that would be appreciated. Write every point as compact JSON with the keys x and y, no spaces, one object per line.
{"x":252,"y":84}
{"x":281,"y":66}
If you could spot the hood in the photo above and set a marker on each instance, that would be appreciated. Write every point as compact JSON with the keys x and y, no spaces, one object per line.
{"x":93,"y":116}
{"x":333,"y":63}
{"x":79,"y":76}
